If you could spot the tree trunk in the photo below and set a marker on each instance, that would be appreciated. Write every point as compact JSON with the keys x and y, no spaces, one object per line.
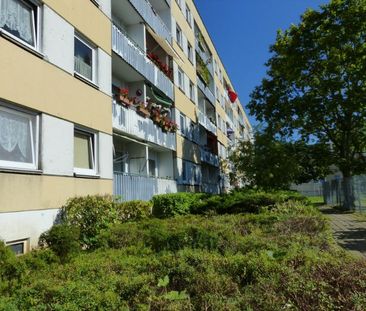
{"x":349,"y":198}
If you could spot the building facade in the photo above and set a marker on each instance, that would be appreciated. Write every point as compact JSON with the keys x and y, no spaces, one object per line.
{"x":123,"y":97}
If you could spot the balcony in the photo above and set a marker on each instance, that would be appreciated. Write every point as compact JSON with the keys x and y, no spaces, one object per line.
{"x":128,"y":121}
{"x":134,"y":187}
{"x":207,"y":123}
{"x":136,"y":57}
{"x":144,"y":8}
{"x":210,"y":188}
{"x":210,"y":158}
{"x":206,"y":91}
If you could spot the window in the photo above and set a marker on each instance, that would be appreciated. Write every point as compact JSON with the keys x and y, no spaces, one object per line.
{"x":183,"y":126}
{"x":18,"y":247}
{"x":184,"y":171}
{"x":18,"y":139}
{"x":84,"y":59}
{"x":188,"y":16}
{"x":19,"y":19}
{"x":84,"y":153}
{"x":191,"y":91}
{"x":152,"y":168}
{"x":190,"y":52}
{"x":179,"y":36}
{"x":181,"y":79}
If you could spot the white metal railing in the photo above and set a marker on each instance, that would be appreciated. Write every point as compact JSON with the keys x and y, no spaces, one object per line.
{"x":207,"y":59}
{"x":136,"y":57}
{"x":148,"y":13}
{"x":134,"y":187}
{"x":207,"y":123}
{"x":205,"y":90}
{"x":128,"y":121}
{"x":210,"y":188}
{"x":208,"y":157}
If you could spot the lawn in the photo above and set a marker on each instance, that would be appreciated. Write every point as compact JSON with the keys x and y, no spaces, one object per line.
{"x":278,"y":256}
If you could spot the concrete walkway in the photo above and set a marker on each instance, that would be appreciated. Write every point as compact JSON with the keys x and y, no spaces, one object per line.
{"x":349,"y":230}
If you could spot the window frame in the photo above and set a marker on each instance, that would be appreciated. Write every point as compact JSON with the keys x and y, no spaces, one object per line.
{"x":188,"y":16}
{"x":190,"y":52}
{"x":180,"y":74}
{"x":179,"y":35}
{"x":191,"y":91}
{"x":36,"y":31}
{"x":25,"y":243}
{"x":93,"y":48}
{"x":94,"y":153}
{"x":34,"y":136}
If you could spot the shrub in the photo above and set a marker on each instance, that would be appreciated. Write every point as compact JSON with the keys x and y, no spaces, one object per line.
{"x":90,"y":214}
{"x":63,"y":240}
{"x":174,"y":204}
{"x":134,"y":210}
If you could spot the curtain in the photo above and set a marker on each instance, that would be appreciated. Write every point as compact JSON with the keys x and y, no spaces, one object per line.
{"x":15,"y":132}
{"x":83,"y":68}
{"x":16,"y":18}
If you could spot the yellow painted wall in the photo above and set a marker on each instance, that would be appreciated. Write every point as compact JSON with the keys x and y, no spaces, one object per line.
{"x":188,"y":150}
{"x":20,"y":192}
{"x":32,"y":82}
{"x":87,"y":19}
{"x":185,"y":105}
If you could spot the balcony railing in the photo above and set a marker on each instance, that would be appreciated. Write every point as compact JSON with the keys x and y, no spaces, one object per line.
{"x":133,"y":187}
{"x":136,"y":57}
{"x":147,"y":12}
{"x":210,"y":188}
{"x":205,"y":90}
{"x":128,"y":121}
{"x":210,"y":158}
{"x":207,"y":123}
{"x":207,"y":59}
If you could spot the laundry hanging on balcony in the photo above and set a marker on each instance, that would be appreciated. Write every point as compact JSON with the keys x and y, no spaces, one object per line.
{"x":232,"y":95}
{"x":161,"y":99}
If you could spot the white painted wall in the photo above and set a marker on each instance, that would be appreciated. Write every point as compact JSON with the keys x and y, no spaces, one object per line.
{"x":57,"y":147}
{"x":105,"y":155}
{"x":26,"y":225}
{"x":58,"y":40}
{"x":104,"y":72}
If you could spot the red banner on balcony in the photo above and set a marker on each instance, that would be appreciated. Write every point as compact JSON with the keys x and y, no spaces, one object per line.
{"x":232,"y":95}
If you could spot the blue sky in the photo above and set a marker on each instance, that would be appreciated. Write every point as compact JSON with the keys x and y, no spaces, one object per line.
{"x":245,"y":30}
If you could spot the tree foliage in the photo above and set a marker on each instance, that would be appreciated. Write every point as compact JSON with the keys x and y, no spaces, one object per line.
{"x":315,"y":85}
{"x":271,"y":163}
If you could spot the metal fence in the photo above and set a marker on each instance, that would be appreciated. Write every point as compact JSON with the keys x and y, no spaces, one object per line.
{"x":333,"y":192}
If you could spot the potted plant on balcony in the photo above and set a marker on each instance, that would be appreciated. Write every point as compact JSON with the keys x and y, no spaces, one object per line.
{"x":124,"y":99}
{"x":142,"y":110}
{"x":203,"y":71}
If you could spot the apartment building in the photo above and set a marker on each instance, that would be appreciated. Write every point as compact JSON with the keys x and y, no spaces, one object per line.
{"x":123,"y":97}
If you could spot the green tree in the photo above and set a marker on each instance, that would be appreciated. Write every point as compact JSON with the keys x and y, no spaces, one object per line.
{"x":315,"y":85}
{"x":271,"y":163}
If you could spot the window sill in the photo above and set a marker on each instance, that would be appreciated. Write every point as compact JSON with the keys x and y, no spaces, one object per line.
{"x":20,"y":171}
{"x":81,"y":78}
{"x":80,"y":175}
{"x":10,"y":38}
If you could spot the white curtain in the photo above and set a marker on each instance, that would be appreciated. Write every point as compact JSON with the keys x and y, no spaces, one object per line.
{"x":83,"y":68}
{"x":16,"y":17}
{"x":15,"y":131}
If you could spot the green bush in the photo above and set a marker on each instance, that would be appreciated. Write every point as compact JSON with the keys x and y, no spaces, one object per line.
{"x":90,"y":214}
{"x":134,"y":210}
{"x":63,"y":240}
{"x":174,"y":204}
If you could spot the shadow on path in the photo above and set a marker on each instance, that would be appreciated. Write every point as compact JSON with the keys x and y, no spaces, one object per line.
{"x":349,"y":231}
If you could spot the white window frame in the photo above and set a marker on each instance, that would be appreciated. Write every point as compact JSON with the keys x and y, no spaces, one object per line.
{"x":183,"y":127}
{"x":34,"y":136}
{"x":179,"y":35}
{"x":191,"y":91}
{"x":93,"y":153}
{"x":25,"y":243}
{"x":188,"y":16}
{"x":94,"y":59}
{"x":35,"y":30}
{"x":190,"y":52}
{"x":180,"y":77}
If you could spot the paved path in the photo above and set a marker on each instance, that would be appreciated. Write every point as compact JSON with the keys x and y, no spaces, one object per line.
{"x":349,"y":230}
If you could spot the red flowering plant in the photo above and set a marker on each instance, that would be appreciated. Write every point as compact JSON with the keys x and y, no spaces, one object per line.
{"x":123,"y":98}
{"x":123,"y":92}
{"x":163,"y":67}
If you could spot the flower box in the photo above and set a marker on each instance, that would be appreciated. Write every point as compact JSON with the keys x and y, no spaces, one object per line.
{"x":143,"y":111}
{"x":125,"y":101}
